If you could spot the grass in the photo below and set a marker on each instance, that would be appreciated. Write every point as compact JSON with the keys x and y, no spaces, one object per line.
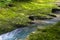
{"x":17,"y":12}
{"x":49,"y":33}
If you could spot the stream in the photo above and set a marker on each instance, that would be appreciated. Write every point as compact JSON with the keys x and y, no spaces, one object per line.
{"x":21,"y":33}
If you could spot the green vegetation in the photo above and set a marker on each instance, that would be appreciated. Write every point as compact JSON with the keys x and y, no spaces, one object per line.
{"x":14,"y":12}
{"x":49,"y":33}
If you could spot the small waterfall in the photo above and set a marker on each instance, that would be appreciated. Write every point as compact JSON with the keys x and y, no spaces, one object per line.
{"x":21,"y":33}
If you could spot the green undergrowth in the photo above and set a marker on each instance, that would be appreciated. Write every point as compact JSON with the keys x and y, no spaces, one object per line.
{"x":17,"y":12}
{"x":51,"y":32}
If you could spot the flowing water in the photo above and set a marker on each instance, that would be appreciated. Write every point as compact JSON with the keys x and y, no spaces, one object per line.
{"x":21,"y":33}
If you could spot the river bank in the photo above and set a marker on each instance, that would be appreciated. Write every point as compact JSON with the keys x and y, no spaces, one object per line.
{"x":16,"y":14}
{"x":22,"y":33}
{"x":51,"y":32}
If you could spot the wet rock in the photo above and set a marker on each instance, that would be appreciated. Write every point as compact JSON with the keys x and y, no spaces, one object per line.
{"x":52,"y":15}
{"x":39,"y":18}
{"x":43,"y":18}
{"x":31,"y":22}
{"x":10,"y":5}
{"x":55,"y":10}
{"x":32,"y":17}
